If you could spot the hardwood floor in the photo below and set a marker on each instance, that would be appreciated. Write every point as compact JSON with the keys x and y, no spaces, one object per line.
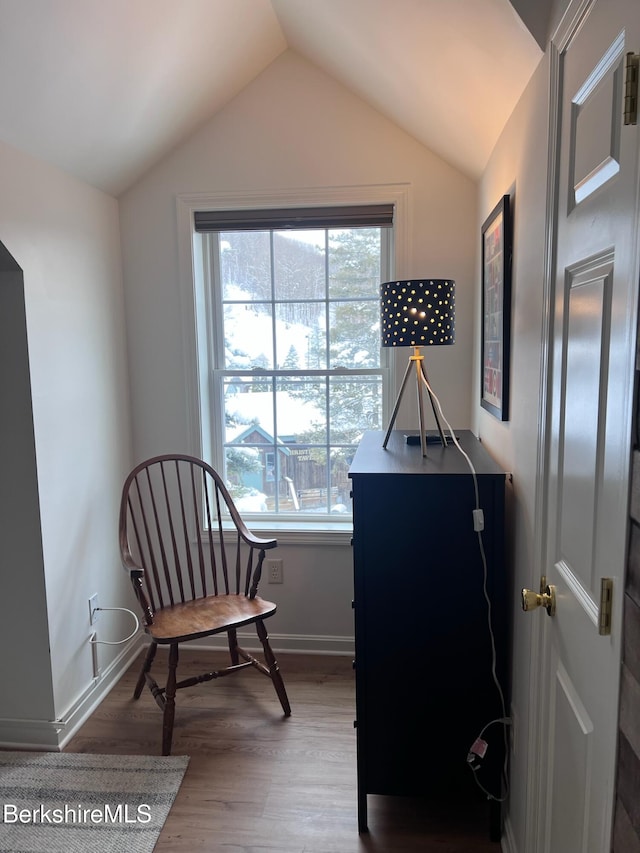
{"x":260,"y":783}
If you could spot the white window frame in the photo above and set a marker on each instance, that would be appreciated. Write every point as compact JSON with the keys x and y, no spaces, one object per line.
{"x":194,"y":293}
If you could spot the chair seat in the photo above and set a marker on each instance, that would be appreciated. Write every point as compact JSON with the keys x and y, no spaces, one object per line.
{"x":174,"y":514}
{"x":205,"y":616}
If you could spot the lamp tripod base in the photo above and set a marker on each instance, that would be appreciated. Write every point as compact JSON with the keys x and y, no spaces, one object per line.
{"x":416,"y":361}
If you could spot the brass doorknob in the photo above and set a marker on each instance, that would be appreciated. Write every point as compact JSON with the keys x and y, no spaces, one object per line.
{"x":546,"y":599}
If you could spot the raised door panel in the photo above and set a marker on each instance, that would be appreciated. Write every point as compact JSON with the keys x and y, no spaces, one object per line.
{"x":591,"y":387}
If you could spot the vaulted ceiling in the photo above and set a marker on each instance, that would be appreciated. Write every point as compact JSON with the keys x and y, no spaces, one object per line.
{"x":103,"y":89}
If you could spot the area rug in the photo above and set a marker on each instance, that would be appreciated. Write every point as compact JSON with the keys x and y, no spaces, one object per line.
{"x":80,"y":803}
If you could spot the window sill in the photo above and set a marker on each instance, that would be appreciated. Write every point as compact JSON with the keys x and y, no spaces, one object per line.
{"x":303,"y":533}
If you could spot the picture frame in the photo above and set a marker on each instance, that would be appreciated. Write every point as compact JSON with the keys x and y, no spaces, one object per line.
{"x":496,"y":310}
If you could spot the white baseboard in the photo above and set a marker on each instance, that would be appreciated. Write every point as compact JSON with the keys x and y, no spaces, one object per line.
{"x":80,"y":710}
{"x":309,"y":644}
{"x":41,"y":735}
{"x":52,"y":735}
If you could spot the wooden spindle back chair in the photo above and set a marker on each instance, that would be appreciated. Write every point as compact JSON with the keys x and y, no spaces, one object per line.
{"x":195,"y":569}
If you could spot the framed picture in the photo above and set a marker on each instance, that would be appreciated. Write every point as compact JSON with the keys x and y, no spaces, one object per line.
{"x":496,"y":310}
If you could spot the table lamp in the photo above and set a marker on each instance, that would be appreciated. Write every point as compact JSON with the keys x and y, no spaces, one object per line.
{"x":417,"y":313}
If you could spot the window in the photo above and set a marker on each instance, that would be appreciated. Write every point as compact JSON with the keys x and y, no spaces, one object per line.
{"x":291,"y":372}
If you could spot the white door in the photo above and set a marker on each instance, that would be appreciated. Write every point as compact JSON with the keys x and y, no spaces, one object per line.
{"x":592,"y":358}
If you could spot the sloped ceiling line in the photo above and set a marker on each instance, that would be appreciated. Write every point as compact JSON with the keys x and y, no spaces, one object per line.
{"x":105,"y":90}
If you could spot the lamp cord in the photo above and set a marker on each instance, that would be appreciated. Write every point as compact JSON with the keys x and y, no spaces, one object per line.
{"x":504,"y":719}
{"x":126,"y":639}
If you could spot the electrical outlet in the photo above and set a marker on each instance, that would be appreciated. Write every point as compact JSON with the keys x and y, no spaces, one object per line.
{"x":275,"y":571}
{"x":94,"y":609}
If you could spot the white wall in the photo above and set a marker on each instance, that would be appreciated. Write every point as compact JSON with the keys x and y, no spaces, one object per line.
{"x":64,"y":235}
{"x":293,"y":127}
{"x":518,"y":166}
{"x":22,"y":559}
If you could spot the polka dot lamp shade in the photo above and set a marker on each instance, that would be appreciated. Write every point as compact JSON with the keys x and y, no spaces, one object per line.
{"x":417,"y":313}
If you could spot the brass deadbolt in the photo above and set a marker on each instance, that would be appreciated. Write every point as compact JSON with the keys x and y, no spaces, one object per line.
{"x":547,"y":599}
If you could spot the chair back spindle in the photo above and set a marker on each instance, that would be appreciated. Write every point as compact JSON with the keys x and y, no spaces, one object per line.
{"x":182,"y":537}
{"x":195,"y":569}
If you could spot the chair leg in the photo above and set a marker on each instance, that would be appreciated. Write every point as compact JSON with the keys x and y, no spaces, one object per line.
{"x":170,"y":700}
{"x":274,"y":670}
{"x":146,"y":667}
{"x":232,"y":636}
